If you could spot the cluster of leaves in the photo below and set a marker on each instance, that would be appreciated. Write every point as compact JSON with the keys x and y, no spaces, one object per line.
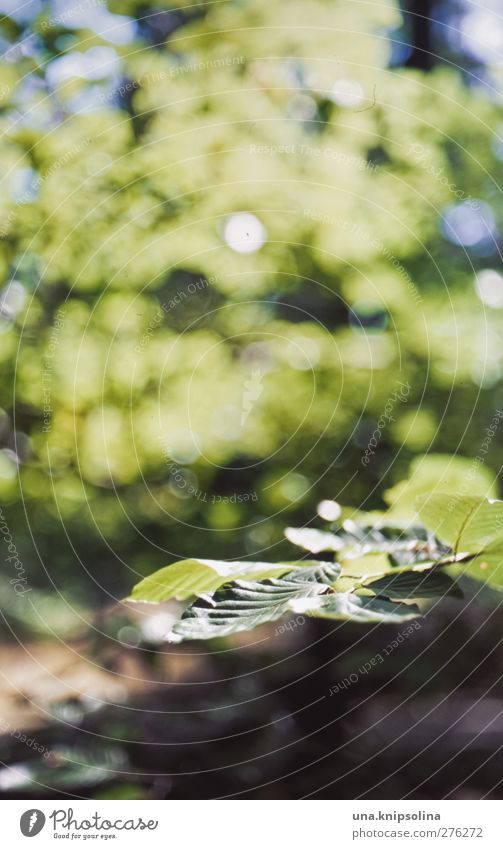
{"x":99,"y":238}
{"x":379,"y":571}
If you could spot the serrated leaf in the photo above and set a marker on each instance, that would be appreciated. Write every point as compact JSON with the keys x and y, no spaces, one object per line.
{"x":318,"y":571}
{"x":355,"y":608}
{"x":467,"y":523}
{"x":415,"y":584}
{"x":245,"y":604}
{"x":187,"y":578}
{"x":405,"y":545}
{"x":313,"y":540}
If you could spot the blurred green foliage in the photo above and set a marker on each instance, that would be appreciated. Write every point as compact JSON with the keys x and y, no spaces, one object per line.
{"x":146,"y":309}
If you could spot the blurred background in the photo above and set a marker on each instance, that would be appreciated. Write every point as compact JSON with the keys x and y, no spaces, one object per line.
{"x":228,"y":232}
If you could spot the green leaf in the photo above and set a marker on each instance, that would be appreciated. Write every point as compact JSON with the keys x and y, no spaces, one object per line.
{"x":313,"y":540}
{"x":415,"y":584}
{"x":471,"y":526}
{"x":366,"y":566}
{"x":486,"y":566}
{"x":245,"y":604}
{"x":356,"y":608}
{"x":191,"y":577}
{"x":467,"y":523}
{"x":318,"y":571}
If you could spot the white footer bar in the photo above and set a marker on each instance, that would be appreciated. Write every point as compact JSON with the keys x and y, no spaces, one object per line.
{"x":252,"y":824}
